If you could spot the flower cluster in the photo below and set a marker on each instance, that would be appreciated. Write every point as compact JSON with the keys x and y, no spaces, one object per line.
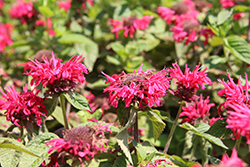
{"x":79,"y":143}
{"x":23,"y":10}
{"x":48,"y":24}
{"x":189,"y":82}
{"x":234,"y":160}
{"x":129,"y":25}
{"x":197,"y":110}
{"x":22,"y":107}
{"x":5,"y":30}
{"x":66,"y":5}
{"x":143,"y":87}
{"x":57,"y":76}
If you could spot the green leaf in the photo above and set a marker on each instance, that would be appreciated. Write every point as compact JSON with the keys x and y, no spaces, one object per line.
{"x":141,"y":152}
{"x":85,"y":115}
{"x":50,"y":105}
{"x":120,"y":161}
{"x":38,"y":146}
{"x":180,"y":162}
{"x":223,"y":16}
{"x":241,"y":9}
{"x":57,"y":114}
{"x":75,"y":27}
{"x":47,"y":12}
{"x":158,"y":124}
{"x":122,"y":139}
{"x":207,"y":136}
{"x":119,"y":49}
{"x":238,"y":47}
{"x":77,"y":100}
{"x":218,"y":129}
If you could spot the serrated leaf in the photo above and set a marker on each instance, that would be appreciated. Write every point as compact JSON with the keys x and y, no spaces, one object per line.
{"x":206,"y":136}
{"x":223,"y":16}
{"x":141,"y":152}
{"x":238,"y":47}
{"x":77,"y":100}
{"x":50,"y":105}
{"x":122,"y":140}
{"x":46,"y":11}
{"x":9,"y":157}
{"x":158,"y":124}
{"x":218,"y":129}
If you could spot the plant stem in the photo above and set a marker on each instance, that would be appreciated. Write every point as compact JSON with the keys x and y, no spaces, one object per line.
{"x":248,"y":28}
{"x":64,"y":111}
{"x":194,"y":148}
{"x":136,"y":130}
{"x":237,"y":144}
{"x":173,"y":128}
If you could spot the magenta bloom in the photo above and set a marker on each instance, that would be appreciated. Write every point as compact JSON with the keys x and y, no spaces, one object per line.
{"x":80,"y":143}
{"x":22,"y":107}
{"x":189,"y":82}
{"x":66,"y":5}
{"x":234,"y":93}
{"x":143,"y":87}
{"x":5,"y":30}
{"x":23,"y":10}
{"x":57,"y":76}
{"x":239,"y":120}
{"x":129,"y":25}
{"x":1,"y":4}
{"x":234,"y":161}
{"x":227,"y":3}
{"x":48,"y":26}
{"x":197,"y":111}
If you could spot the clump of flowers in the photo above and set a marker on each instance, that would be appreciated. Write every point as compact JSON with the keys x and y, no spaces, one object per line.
{"x":234,"y":160}
{"x":197,"y":111}
{"x":189,"y":82}
{"x":5,"y":40}
{"x":57,"y":76}
{"x":66,"y":5}
{"x":143,"y":88}
{"x":129,"y":25}
{"x":80,"y":143}
{"x":24,"y":11}
{"x":24,"y":107}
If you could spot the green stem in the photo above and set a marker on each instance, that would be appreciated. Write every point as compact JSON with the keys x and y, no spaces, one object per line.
{"x":62,"y":101}
{"x":136,"y":130}
{"x":237,"y":144}
{"x":173,"y":128}
{"x":194,"y":148}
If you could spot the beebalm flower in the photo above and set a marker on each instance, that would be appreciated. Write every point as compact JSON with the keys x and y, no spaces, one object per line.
{"x":23,"y":10}
{"x":189,"y":82}
{"x":143,"y":87}
{"x":55,"y":75}
{"x":196,"y":110}
{"x":80,"y":143}
{"x":234,"y":93}
{"x":22,"y":107}
{"x":239,"y":120}
{"x":234,"y":160}
{"x":5,"y":40}
{"x":129,"y":25}
{"x":66,"y":5}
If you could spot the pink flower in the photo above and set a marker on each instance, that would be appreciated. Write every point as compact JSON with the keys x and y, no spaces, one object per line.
{"x":1,"y":4}
{"x":237,"y":16}
{"x":239,"y":120}
{"x":234,"y":93}
{"x":227,"y":3}
{"x":234,"y":161}
{"x":189,"y":82}
{"x":207,"y":33}
{"x":5,"y":31}
{"x":22,"y":108}
{"x":23,"y":10}
{"x":196,"y":110}
{"x":80,"y":143}
{"x":66,"y":5}
{"x":130,"y":24}
{"x":57,"y":76}
{"x":166,"y":14}
{"x":48,"y":24}
{"x":143,"y":87}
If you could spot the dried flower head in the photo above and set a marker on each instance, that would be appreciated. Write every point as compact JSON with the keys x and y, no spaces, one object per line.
{"x":57,"y":76}
{"x":22,"y":108}
{"x":143,"y":88}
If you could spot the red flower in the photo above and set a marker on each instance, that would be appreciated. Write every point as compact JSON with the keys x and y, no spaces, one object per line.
{"x":143,"y":87}
{"x":80,"y":143}
{"x":23,"y":11}
{"x":5,"y":30}
{"x":55,"y":75}
{"x":66,"y":5}
{"x":233,"y":93}
{"x":197,"y":110}
{"x":48,"y":24}
{"x":189,"y":82}
{"x":227,"y":3}
{"x":1,"y":4}
{"x":22,"y":107}
{"x":233,"y":161}
{"x":239,"y":120}
{"x":130,"y":24}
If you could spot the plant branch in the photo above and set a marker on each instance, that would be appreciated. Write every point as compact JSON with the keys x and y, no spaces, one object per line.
{"x":62,"y":101}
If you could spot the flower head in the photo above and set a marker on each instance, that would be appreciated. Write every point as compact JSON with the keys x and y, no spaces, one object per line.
{"x":130,"y":24}
{"x":23,"y":10}
{"x":5,"y":30}
{"x":66,"y":5}
{"x":80,"y":143}
{"x":189,"y":82}
{"x":1,"y":4}
{"x":234,"y":160}
{"x":57,"y":76}
{"x":197,"y":110}
{"x":22,"y":107}
{"x":143,"y":87}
